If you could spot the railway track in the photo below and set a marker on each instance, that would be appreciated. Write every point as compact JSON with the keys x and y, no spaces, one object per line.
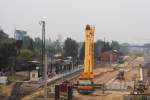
{"x":72,"y":77}
{"x":16,"y":91}
{"x":106,"y":77}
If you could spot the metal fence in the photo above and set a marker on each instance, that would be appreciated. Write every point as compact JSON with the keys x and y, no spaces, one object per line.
{"x":136,"y":97}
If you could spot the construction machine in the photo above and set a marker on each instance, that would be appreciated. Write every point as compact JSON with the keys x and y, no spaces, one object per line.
{"x":140,"y":88}
{"x":86,"y":84}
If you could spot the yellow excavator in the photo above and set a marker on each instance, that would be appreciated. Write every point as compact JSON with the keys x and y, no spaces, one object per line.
{"x":86,"y":84}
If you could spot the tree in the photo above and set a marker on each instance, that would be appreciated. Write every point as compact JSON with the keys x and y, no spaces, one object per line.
{"x":82,"y":51}
{"x":115,"y":45}
{"x":25,"y":54}
{"x":28,"y":43}
{"x":58,"y":49}
{"x":50,"y":47}
{"x":98,"y":47}
{"x":7,"y":51}
{"x":70,"y":48}
{"x":123,"y":48}
{"x":37,"y":43}
{"x":3,"y":35}
{"x":106,"y":47}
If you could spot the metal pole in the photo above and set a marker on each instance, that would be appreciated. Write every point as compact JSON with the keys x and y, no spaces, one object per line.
{"x":43,"y":46}
{"x":44,"y":59}
{"x":45,"y":76}
{"x":70,"y":93}
{"x":44,"y":38}
{"x":57,"y":92}
{"x":110,"y":54}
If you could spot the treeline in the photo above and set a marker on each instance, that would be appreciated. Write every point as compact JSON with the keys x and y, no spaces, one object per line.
{"x":30,"y":49}
{"x":101,"y":46}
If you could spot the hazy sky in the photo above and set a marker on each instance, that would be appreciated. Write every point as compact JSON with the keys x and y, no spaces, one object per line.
{"x":122,"y":20}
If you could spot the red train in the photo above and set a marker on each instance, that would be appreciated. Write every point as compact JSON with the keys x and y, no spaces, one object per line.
{"x":109,"y":55}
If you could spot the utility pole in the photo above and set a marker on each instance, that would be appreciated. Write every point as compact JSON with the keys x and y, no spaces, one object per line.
{"x":43,"y":47}
{"x":44,"y":59}
{"x":110,"y":57}
{"x":45,"y":77}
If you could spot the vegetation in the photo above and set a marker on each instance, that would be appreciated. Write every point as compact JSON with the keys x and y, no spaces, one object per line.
{"x":29,"y":49}
{"x":81,"y":55}
{"x":26,"y":54}
{"x":123,"y":49}
{"x":100,"y":46}
{"x":70,"y":48}
{"x":7,"y":50}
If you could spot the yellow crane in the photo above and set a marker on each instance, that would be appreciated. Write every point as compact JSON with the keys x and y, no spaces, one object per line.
{"x":86,"y":84}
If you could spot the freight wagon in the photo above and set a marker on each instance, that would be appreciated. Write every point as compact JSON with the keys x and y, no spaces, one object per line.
{"x":111,"y":55}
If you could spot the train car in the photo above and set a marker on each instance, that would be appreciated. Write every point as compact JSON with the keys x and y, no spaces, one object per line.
{"x":109,"y":55}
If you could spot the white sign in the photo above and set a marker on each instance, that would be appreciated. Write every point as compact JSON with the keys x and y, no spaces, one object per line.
{"x":3,"y":79}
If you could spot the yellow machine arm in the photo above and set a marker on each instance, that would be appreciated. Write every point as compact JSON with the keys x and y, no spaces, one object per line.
{"x":89,"y":49}
{"x":86,"y":83}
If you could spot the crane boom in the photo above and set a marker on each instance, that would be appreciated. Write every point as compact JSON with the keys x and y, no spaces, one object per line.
{"x":89,"y":49}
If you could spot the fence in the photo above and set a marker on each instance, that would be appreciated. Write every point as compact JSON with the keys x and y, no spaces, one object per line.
{"x":136,"y":97}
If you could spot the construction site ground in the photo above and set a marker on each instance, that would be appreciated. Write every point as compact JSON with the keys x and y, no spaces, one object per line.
{"x":107,"y":75}
{"x":109,"y":95}
{"x":116,"y":88}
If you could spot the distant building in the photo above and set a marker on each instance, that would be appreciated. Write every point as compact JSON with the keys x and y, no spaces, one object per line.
{"x":20,"y":34}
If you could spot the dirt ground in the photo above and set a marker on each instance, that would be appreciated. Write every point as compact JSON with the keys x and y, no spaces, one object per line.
{"x":5,"y":90}
{"x":133,"y":69}
{"x":103,"y":70}
{"x":132,"y":74}
{"x":109,"y":95}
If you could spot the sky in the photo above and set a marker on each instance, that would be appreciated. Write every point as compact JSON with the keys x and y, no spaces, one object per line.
{"x":121,"y":20}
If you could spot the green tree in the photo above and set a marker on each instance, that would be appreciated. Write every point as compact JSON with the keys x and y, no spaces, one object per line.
{"x":98,"y":46}
{"x":58,"y":49}
{"x":25,"y":54}
{"x":106,"y":47}
{"x":3,"y":36}
{"x":70,"y":48}
{"x":28,"y":43}
{"x":37,"y":43}
{"x":123,"y":48}
{"x":115,"y":45}
{"x":50,"y":48}
{"x":7,"y":52}
{"x":82,"y":51}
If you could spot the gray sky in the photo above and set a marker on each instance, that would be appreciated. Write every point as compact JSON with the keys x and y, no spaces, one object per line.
{"x":122,"y":20}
